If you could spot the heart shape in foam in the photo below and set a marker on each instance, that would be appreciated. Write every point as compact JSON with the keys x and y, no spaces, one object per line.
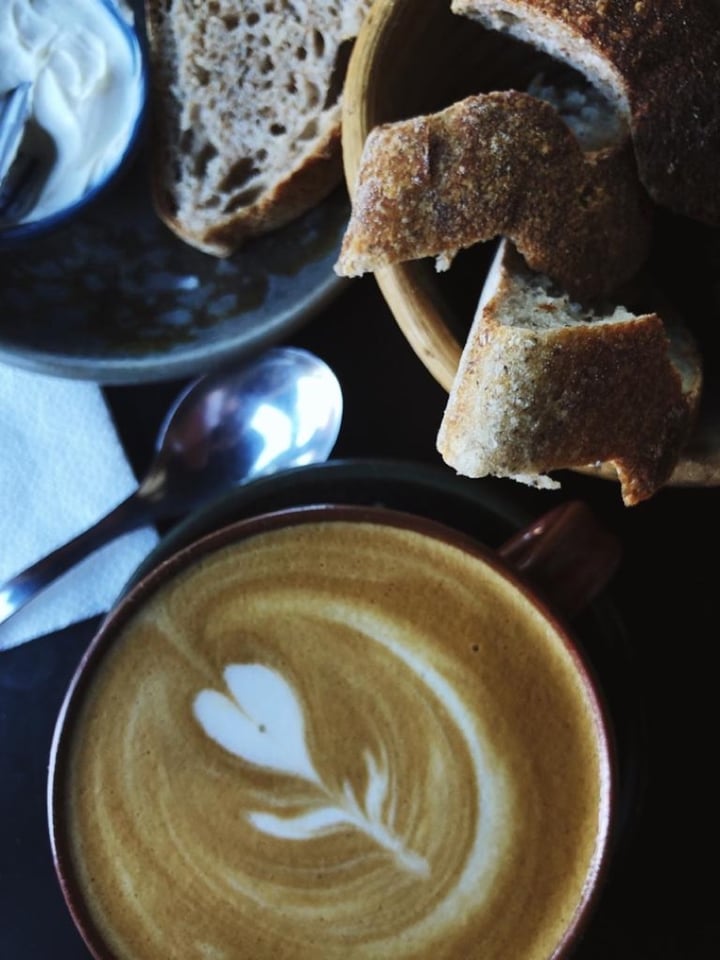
{"x":263,"y":723}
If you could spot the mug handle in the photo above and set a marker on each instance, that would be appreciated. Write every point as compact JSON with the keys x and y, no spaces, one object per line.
{"x":567,"y":554}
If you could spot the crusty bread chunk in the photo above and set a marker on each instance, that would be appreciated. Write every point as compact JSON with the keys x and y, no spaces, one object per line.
{"x":545,"y":384}
{"x":498,"y":164}
{"x":658,"y":60}
{"x":247,"y":110}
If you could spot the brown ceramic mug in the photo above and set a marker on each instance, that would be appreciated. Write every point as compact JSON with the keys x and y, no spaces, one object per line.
{"x":341,"y":731}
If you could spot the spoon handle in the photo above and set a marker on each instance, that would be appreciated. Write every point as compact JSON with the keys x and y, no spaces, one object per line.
{"x":18,"y":591}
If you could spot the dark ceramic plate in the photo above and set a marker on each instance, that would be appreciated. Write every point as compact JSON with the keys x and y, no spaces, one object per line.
{"x":115,"y":297}
{"x":482,"y":508}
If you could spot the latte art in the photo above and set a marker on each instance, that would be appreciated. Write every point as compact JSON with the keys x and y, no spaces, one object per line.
{"x":331,"y":740}
{"x":270,"y":733}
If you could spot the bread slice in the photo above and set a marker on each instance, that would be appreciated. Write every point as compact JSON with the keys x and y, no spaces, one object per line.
{"x":544,"y":384}
{"x":498,"y":164}
{"x":658,"y":61}
{"x":247,"y":108}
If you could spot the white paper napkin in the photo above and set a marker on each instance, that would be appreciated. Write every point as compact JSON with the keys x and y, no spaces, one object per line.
{"x":62,"y":468}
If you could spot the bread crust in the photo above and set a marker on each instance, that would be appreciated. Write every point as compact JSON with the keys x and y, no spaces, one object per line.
{"x":659,"y":60}
{"x":541,"y":387}
{"x":498,"y":164}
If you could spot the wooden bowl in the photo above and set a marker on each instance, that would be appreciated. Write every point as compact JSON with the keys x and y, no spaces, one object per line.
{"x":414,"y":57}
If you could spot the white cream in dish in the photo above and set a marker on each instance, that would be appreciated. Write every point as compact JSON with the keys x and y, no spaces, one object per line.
{"x":88,"y":88}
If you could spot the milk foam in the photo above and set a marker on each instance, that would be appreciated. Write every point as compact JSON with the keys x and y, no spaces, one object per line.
{"x":343,"y":758}
{"x":265,"y":726}
{"x":262,"y":723}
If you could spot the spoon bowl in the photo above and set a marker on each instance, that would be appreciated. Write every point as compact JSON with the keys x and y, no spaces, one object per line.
{"x":280,"y":410}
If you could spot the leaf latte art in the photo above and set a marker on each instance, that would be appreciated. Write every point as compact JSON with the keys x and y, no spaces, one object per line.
{"x":278,"y":744}
{"x":324,"y":741}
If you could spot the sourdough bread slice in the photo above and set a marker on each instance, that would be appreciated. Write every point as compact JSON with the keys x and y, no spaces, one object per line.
{"x":545,"y":384}
{"x":657,"y":60}
{"x":247,"y":109}
{"x":498,"y":164}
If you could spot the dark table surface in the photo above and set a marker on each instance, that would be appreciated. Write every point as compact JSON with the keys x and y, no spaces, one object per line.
{"x":660,"y":900}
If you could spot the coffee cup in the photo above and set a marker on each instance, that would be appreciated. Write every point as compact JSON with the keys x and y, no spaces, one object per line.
{"x":341,"y":731}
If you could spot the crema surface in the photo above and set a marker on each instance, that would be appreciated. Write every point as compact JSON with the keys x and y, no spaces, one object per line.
{"x":337,"y":739}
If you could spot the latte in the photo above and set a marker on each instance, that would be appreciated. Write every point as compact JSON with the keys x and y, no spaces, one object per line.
{"x":334,"y":739}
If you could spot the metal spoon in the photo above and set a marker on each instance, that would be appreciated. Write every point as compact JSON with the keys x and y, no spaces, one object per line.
{"x":21,"y":174}
{"x":280,"y":410}
{"x":14,"y":112}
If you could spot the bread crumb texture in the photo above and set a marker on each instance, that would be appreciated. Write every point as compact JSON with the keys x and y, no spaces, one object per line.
{"x":247,"y":111}
{"x":594,"y":120}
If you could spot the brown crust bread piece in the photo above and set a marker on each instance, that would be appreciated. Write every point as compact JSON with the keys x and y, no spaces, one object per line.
{"x":658,"y":60}
{"x":498,"y":164}
{"x":246,"y":112}
{"x":544,"y":384}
